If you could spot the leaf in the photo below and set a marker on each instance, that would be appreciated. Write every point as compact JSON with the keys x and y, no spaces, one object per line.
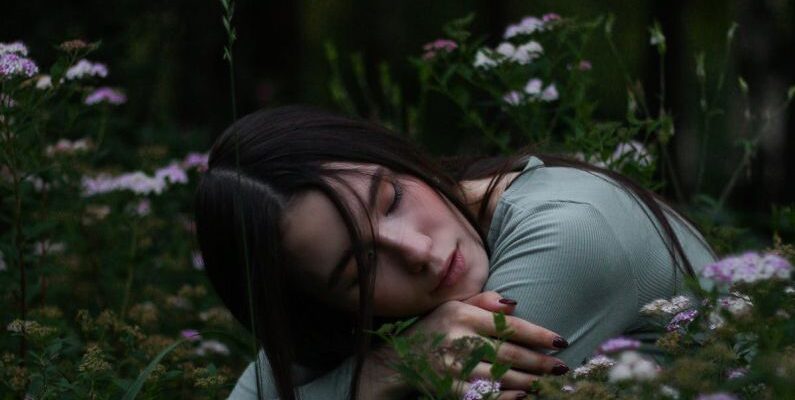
{"x":498,"y":370}
{"x":136,"y":386}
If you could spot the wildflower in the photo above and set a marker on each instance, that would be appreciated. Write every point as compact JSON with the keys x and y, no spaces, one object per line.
{"x":668,"y":391}
{"x":662,"y":306}
{"x":630,"y":151}
{"x":527,"y":52}
{"x":584,"y":65}
{"x":513,"y":98}
{"x":550,"y":93}
{"x":173,"y":173}
{"x":198,"y":261}
{"x":137,"y":182}
{"x":13,"y":64}
{"x":681,"y":320}
{"x":717,"y":396}
{"x":480,"y":389}
{"x":527,"y":26}
{"x":65,"y":146}
{"x":72,"y":45}
{"x":568,"y":389}
{"x":736,"y":373}
{"x":438,"y":46}
{"x":483,"y":60}
{"x":191,"y":334}
{"x":749,"y":267}
{"x":618,"y":344}
{"x":631,"y":366}
{"x":533,"y":87}
{"x":15,"y":48}
{"x":737,"y":304}
{"x":44,"y":82}
{"x":85,"y":68}
{"x":212,"y":346}
{"x":106,"y":95}
{"x":93,"y":360}
{"x":142,"y":208}
{"x":196,"y":160}
{"x":597,"y":363}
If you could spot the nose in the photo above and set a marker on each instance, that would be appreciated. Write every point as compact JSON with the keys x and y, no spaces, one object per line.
{"x":412,"y":248}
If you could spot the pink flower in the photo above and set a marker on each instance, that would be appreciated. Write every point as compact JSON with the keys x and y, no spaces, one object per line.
{"x":584,"y":65}
{"x":438,"y":46}
{"x":191,"y":334}
{"x":12,"y":64}
{"x":107,"y":95}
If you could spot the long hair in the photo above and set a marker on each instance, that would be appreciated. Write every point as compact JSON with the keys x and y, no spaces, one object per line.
{"x":284,"y":152}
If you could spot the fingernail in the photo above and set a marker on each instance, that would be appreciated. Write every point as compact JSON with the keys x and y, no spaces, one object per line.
{"x":510,"y":302}
{"x":560,"y":369}
{"x":521,"y":396}
{"x":560,"y":343}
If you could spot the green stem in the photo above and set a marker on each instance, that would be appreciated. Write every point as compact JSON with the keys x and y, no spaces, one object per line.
{"x":130,"y":271}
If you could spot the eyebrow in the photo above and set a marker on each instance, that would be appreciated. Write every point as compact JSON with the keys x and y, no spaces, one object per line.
{"x":372,"y":195}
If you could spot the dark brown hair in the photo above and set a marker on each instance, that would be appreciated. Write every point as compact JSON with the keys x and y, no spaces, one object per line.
{"x":264,"y":160}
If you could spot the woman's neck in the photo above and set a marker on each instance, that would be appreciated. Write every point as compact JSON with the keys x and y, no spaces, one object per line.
{"x":475,"y":191}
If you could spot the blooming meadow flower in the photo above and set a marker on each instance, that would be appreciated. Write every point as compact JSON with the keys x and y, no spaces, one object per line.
{"x":85,"y":68}
{"x":44,"y":82}
{"x":550,"y":93}
{"x":617,"y":344}
{"x":483,"y":60}
{"x":172,"y":173}
{"x":191,"y":334}
{"x":631,"y":366}
{"x":198,"y":261}
{"x":737,"y":304}
{"x":105,"y":95}
{"x":749,"y":267}
{"x":513,"y":98}
{"x":669,"y":392}
{"x":534,"y":88}
{"x":681,"y":320}
{"x":480,"y":389}
{"x":597,"y":363}
{"x":14,"y":47}
{"x":65,"y":146}
{"x":663,"y":306}
{"x":137,"y":182}
{"x":211,"y":346}
{"x":438,"y":46}
{"x":13,"y":64}
{"x":196,"y":160}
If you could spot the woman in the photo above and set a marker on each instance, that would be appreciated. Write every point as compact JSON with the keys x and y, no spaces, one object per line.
{"x":315,"y":228}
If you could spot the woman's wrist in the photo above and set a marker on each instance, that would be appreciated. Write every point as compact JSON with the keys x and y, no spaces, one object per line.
{"x":378,"y":380}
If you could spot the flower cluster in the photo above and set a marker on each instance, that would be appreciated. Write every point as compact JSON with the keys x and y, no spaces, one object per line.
{"x":438,"y":46}
{"x":106,"y":95}
{"x":67,"y":147}
{"x":530,"y":24}
{"x":137,"y":182}
{"x":506,"y":52}
{"x":631,"y":366}
{"x":533,"y":91}
{"x":666,"y":307}
{"x":618,"y":344}
{"x":595,"y":364}
{"x":749,"y":267}
{"x":85,"y":68}
{"x":14,"y":61}
{"x":211,"y":347}
{"x":681,"y":320}
{"x":481,"y":389}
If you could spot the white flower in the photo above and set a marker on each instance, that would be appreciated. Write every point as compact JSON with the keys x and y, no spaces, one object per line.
{"x":212,"y":346}
{"x":631,"y":151}
{"x":527,"y":26}
{"x":505,"y":49}
{"x":513,"y":98}
{"x":533,"y":87}
{"x":482,"y":60}
{"x":44,"y":82}
{"x":527,"y":52}
{"x":198,"y":261}
{"x":631,"y":366}
{"x":596,"y":363}
{"x":85,"y":68}
{"x":737,"y":304}
{"x":550,"y":93}
{"x":668,"y":391}
{"x":15,"y":47}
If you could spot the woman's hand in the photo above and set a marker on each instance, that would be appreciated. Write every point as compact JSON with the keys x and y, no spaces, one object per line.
{"x":474,"y":317}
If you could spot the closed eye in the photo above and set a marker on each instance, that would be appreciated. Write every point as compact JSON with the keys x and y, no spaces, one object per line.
{"x":398,"y":189}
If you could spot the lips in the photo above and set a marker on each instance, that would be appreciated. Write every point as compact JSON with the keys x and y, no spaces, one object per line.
{"x":453,"y":269}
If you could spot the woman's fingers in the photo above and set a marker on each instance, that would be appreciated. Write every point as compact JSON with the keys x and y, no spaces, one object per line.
{"x":520,"y":358}
{"x":492,"y":301}
{"x":523,"y":333}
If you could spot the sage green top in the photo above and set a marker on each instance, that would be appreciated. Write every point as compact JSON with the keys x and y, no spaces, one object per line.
{"x":578,"y":253}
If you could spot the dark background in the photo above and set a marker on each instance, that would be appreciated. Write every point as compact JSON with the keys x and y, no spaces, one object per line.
{"x":167,"y":56}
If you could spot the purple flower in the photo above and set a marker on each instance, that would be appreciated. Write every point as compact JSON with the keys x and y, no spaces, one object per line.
{"x":85,"y":68}
{"x":481,"y":388}
{"x":749,"y":267}
{"x":196,"y":160}
{"x":717,"y":396}
{"x":513,"y":98}
{"x":15,"y":47}
{"x":681,"y":320}
{"x":618,"y":344}
{"x":12,"y":64}
{"x":438,"y":46}
{"x":191,"y":334}
{"x":106,"y":95}
{"x":172,"y":173}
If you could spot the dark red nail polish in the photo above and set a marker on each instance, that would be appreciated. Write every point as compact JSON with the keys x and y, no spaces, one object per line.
{"x":560,"y":369}
{"x":560,"y":342}
{"x":510,"y":302}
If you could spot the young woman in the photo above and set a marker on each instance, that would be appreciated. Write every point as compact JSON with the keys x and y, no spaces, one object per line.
{"x":315,"y":228}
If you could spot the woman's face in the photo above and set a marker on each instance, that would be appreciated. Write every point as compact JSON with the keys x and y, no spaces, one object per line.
{"x":427,"y":252}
